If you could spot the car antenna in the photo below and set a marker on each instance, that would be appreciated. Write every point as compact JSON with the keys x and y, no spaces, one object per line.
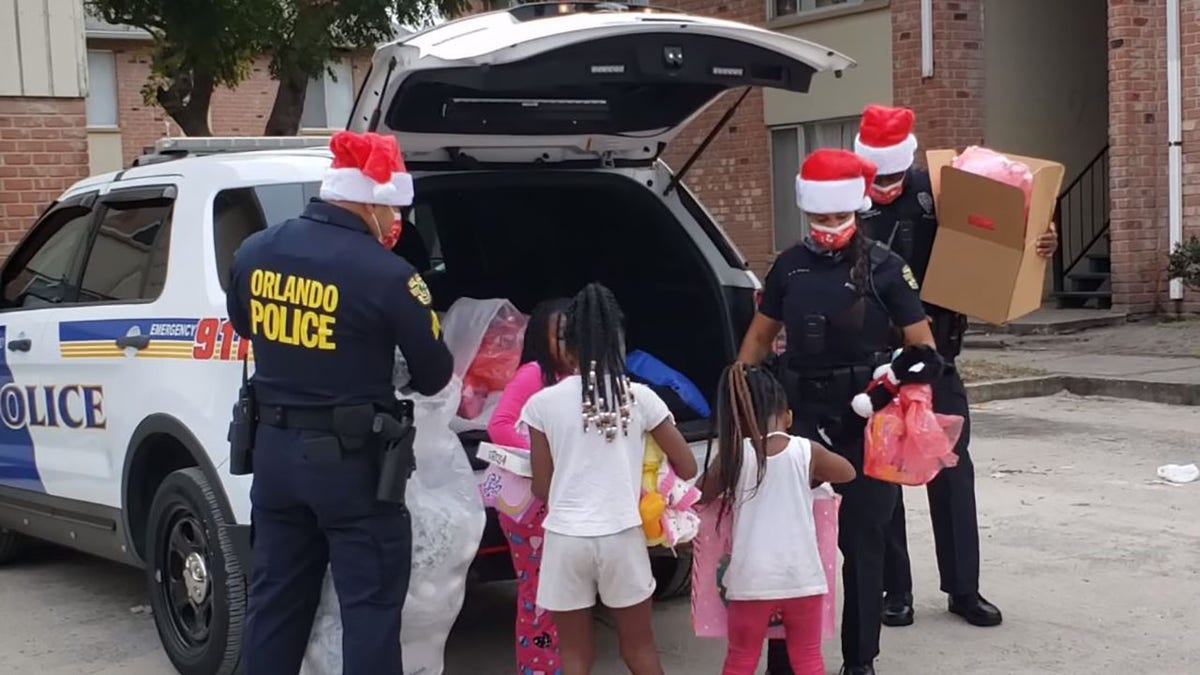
{"x":387,"y":77}
{"x":678,"y":178}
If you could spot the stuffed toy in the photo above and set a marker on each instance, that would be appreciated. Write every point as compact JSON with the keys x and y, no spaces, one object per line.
{"x":915,"y":364}
{"x":667,"y":501}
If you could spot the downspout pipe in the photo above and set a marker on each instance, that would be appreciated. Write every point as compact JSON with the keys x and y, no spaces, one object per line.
{"x":926,"y":38}
{"x":1174,"y":142}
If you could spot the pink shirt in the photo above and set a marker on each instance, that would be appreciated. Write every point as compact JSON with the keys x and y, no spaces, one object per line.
{"x":502,"y":428}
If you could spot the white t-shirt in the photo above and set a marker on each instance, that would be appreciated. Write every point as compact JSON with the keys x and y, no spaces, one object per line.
{"x":774,"y":554}
{"x":596,"y":484}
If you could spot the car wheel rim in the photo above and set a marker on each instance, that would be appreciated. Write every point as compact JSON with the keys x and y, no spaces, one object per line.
{"x":184,"y":582}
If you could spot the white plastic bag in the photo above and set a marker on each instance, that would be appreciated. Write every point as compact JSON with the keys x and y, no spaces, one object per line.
{"x":466,"y":331}
{"x":447,"y":524}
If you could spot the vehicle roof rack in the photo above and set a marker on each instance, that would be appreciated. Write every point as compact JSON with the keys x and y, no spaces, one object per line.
{"x":167,"y":149}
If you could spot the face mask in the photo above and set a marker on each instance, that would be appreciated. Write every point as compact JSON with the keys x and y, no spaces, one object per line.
{"x":886,"y":194}
{"x":834,"y":238}
{"x":387,"y":237}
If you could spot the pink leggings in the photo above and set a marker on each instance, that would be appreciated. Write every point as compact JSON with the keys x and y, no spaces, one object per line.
{"x":748,"y":623}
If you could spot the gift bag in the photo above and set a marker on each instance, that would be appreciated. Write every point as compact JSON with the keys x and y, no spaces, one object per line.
{"x":710,"y":557}
{"x":447,"y":523}
{"x":906,"y":442}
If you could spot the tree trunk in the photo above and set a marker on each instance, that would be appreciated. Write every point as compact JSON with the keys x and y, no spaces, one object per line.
{"x":289,"y":104}
{"x":187,"y":101}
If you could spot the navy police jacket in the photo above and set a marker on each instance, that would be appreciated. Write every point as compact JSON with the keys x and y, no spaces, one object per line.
{"x":325,"y":307}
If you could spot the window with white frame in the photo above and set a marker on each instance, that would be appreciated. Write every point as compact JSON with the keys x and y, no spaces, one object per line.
{"x":789,"y":146}
{"x":330,"y":98}
{"x":101,"y":103}
{"x":790,"y":7}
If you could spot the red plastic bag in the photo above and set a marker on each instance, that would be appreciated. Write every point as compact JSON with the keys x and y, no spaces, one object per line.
{"x":495,"y":363}
{"x":906,"y":442}
{"x":991,"y":164}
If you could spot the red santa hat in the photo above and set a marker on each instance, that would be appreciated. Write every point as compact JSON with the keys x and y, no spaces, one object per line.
{"x":367,"y":169}
{"x":834,"y":181}
{"x":885,"y":137}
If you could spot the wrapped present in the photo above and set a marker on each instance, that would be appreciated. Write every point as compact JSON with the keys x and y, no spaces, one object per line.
{"x":710,"y":557}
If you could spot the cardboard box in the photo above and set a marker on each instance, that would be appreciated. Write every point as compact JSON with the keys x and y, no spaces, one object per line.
{"x":984,"y":262}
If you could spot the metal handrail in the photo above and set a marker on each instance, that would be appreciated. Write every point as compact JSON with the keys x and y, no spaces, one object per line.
{"x":1090,"y":188}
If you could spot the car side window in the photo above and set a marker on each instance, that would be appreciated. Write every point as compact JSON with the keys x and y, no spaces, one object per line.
{"x":39,"y":272}
{"x":240,"y":212}
{"x":128,"y":256}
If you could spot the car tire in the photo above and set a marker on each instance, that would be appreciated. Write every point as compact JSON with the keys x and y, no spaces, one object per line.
{"x":196,"y":584}
{"x":672,"y":575}
{"x":11,"y":545}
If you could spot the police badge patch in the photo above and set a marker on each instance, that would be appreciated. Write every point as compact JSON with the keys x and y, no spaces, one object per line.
{"x":418,"y":289}
{"x":907,"y":273}
{"x":926,"y":201}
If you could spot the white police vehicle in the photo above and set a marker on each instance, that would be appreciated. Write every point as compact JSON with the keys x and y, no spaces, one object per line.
{"x":534,"y":135}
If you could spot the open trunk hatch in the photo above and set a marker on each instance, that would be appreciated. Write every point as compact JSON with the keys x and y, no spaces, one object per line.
{"x":618,"y":83}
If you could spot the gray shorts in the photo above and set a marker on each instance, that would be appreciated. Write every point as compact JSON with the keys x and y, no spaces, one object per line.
{"x":577,"y":569}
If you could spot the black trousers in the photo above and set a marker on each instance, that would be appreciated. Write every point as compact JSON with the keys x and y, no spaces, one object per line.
{"x":309,"y":513}
{"x":951,"y":508}
{"x":867,"y":508}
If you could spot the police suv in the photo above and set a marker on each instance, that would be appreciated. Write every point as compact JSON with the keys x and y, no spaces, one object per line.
{"x":534,"y":135}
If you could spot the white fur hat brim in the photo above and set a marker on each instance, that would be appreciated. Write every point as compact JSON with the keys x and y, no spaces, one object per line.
{"x":832,"y":196}
{"x":352,"y":185}
{"x":889,"y":160}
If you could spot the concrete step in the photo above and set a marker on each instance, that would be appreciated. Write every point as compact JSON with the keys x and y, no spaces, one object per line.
{"x":1052,"y":321}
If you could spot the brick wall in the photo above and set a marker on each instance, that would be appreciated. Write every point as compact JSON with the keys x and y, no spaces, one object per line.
{"x":733,"y":178}
{"x":1137,"y":119}
{"x":235,"y":112}
{"x":43,"y":149}
{"x":950,"y":105}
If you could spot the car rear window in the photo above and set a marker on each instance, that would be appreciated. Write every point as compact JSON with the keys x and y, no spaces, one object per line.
{"x":240,"y":212}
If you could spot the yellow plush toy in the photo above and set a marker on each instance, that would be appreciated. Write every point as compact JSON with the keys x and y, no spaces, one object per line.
{"x":667,"y":501}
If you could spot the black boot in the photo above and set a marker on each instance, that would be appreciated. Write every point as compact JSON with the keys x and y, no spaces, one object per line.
{"x":976,"y":610}
{"x":897,"y":609}
{"x":868,"y":669}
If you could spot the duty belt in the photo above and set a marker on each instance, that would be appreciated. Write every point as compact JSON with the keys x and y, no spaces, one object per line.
{"x":303,"y":419}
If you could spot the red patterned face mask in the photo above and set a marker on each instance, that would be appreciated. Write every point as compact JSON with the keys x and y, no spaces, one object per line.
{"x":834,"y":238}
{"x":886,"y":194}
{"x":389,"y":240}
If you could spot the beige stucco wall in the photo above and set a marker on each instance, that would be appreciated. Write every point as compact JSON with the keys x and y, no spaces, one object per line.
{"x":42,"y":48}
{"x":1046,"y":86}
{"x":865,"y":37}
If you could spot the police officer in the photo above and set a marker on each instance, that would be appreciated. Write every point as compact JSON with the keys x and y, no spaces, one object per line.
{"x":837,"y":293}
{"x":325,"y":305}
{"x":902,"y":215}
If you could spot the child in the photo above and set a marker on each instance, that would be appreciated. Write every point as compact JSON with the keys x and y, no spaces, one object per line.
{"x":763,"y":476}
{"x":587,"y":442}
{"x":542,"y":366}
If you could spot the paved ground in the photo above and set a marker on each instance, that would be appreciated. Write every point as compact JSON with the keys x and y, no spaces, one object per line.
{"x":1093,"y":562}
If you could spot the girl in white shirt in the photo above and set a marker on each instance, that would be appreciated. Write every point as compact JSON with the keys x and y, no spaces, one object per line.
{"x":764,"y":478}
{"x":586,"y":445}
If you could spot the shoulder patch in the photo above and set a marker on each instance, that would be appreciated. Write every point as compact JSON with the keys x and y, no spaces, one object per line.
{"x":925,"y":199}
{"x":418,"y":289}
{"x":907,"y":273}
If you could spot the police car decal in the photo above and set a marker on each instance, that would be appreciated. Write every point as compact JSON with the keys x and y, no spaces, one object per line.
{"x":187,"y":339}
{"x":18,"y":468}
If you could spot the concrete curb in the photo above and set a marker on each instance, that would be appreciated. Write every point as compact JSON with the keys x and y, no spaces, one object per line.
{"x":1173,"y":393}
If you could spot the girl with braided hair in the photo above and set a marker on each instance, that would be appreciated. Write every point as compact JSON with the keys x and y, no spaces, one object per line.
{"x":763,"y":477}
{"x":839,"y":294}
{"x":587,"y":440}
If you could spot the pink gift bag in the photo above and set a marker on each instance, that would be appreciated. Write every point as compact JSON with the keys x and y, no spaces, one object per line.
{"x":710,"y":555}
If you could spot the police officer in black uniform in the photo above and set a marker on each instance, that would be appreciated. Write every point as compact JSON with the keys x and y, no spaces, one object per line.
{"x":837,"y":293}
{"x":325,"y":306}
{"x":902,"y":216}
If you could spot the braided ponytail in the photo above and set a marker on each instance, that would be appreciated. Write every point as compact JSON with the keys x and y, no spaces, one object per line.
{"x":860,"y":257}
{"x":595,"y":336}
{"x":744,"y":394}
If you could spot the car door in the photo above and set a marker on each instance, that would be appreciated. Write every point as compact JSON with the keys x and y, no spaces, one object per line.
{"x":521,"y":86}
{"x":36,"y":280}
{"x":106,"y":350}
